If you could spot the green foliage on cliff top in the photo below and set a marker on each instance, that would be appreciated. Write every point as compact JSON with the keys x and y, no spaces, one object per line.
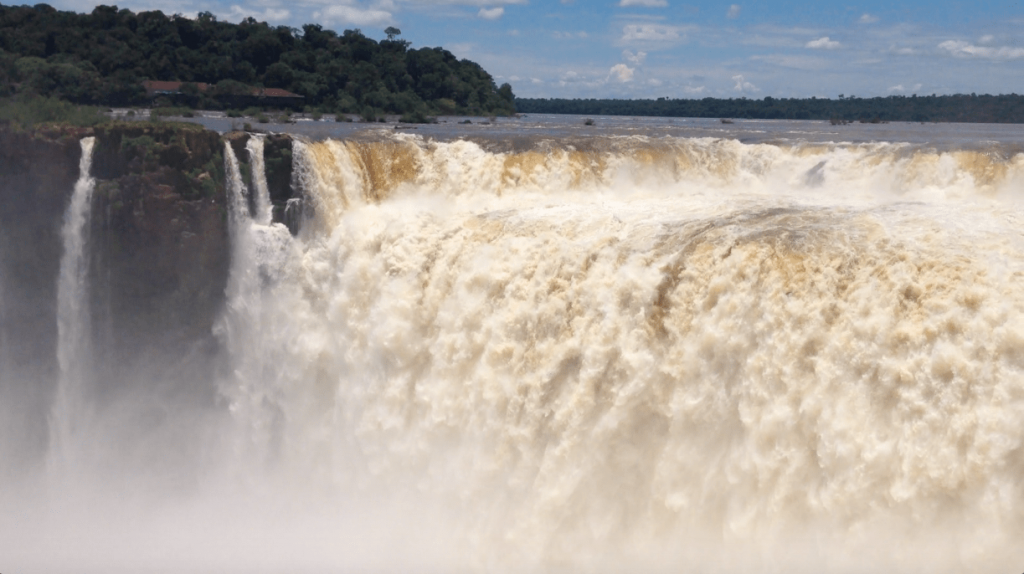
{"x":29,"y":111}
{"x":102,"y":58}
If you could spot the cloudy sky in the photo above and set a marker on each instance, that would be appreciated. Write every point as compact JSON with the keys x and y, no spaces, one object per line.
{"x":696,"y":48}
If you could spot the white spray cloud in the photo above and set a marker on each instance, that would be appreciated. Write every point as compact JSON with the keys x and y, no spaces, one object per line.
{"x":867,"y":18}
{"x":734,"y":11}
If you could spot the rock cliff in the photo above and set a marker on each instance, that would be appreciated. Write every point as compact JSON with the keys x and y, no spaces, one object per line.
{"x":159,"y":255}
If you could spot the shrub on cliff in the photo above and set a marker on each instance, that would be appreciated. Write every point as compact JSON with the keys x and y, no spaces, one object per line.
{"x":417,"y":117}
{"x":29,"y":111}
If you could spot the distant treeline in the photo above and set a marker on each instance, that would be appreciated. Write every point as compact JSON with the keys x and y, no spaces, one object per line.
{"x":102,"y":58}
{"x":955,"y":108}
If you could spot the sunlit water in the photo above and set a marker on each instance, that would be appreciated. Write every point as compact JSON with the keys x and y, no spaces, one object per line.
{"x":594,"y":352}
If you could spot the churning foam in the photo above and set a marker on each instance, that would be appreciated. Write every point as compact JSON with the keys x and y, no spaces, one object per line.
{"x":646,"y":355}
{"x":657,"y":354}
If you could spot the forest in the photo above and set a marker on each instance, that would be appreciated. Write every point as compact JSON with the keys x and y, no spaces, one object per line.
{"x":914,"y":108}
{"x":103,"y":57}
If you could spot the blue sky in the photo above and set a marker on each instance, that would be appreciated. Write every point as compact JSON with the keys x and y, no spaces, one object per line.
{"x":691,"y":49}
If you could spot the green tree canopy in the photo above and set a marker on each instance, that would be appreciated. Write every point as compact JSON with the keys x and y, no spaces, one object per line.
{"x":103,"y":57}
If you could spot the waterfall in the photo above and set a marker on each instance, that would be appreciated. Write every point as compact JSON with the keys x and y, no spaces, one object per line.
{"x":239,"y":216}
{"x":73,"y":333}
{"x":661,"y":352}
{"x":628,"y":353}
{"x":263,"y":212}
{"x":259,"y":250}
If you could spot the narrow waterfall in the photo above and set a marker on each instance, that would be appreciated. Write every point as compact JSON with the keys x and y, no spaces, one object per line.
{"x":73,"y":349}
{"x":261,"y":200}
{"x":259,"y":249}
{"x":239,"y":214}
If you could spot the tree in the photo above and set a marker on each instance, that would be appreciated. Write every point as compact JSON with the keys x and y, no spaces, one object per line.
{"x":104,"y":56}
{"x":279,"y":75}
{"x":505,"y":92}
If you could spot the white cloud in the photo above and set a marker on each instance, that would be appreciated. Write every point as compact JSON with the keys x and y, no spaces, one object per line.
{"x":961,"y":49}
{"x":986,"y":39}
{"x":795,"y":61}
{"x":461,"y":49}
{"x":536,"y":81}
{"x":734,"y":11}
{"x":904,"y":51}
{"x":694,"y":90}
{"x":651,"y":33}
{"x":268,"y":15}
{"x":868,"y":19}
{"x":621,"y":72}
{"x":635,"y":59}
{"x":491,"y":13}
{"x":743,"y":85}
{"x":771,"y":36}
{"x":647,"y":3}
{"x":573,"y":78}
{"x":823,"y":43}
{"x":569,"y":35}
{"x":900,"y":88}
{"x":353,"y":15}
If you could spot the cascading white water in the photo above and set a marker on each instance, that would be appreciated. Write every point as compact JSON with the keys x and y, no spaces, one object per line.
{"x":257,"y":247}
{"x":691,"y":354}
{"x":645,"y":355}
{"x":73,"y":349}
{"x":263,"y":214}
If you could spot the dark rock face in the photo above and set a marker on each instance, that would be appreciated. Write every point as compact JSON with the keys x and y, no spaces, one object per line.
{"x":277,"y":153}
{"x":159,"y":256}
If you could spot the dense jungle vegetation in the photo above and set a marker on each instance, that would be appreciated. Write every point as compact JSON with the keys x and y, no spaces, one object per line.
{"x":954,"y":108}
{"x":101,"y":58}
